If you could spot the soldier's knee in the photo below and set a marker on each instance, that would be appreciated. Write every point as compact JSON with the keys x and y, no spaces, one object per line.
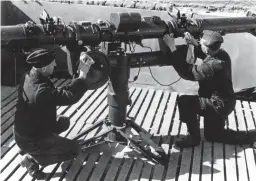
{"x":63,"y":122}
{"x":76,"y":149}
{"x":182,"y":100}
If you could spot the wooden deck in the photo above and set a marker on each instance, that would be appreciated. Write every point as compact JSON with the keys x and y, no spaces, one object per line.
{"x":156,"y":111}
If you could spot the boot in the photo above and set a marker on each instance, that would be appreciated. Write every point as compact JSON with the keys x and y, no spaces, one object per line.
{"x":233,"y":137}
{"x":32,"y":167}
{"x":252,"y":137}
{"x":193,"y":137}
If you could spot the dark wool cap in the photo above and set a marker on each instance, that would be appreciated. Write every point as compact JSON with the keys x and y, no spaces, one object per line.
{"x":40,"y":58}
{"x":212,"y":39}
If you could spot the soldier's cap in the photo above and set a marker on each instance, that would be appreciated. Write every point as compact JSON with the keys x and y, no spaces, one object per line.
{"x":40,"y":57}
{"x":212,"y":39}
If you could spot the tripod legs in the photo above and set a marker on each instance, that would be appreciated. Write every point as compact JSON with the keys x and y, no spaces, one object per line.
{"x":140,"y":141}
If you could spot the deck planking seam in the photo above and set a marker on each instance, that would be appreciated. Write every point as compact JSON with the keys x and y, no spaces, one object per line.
{"x":142,"y":172}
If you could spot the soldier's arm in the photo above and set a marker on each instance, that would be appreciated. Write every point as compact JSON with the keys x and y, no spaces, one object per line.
{"x":65,"y":95}
{"x":195,"y":72}
{"x":199,"y":53}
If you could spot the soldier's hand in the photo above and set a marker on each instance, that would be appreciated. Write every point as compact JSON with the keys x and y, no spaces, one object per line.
{"x":190,"y":39}
{"x":84,"y":65}
{"x":169,"y":41}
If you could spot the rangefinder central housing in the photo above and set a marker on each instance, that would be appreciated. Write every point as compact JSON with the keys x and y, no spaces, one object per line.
{"x":126,"y":22}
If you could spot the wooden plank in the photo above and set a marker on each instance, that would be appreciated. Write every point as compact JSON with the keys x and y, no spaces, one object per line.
{"x":152,"y":111}
{"x":218,"y":164}
{"x":197,"y":156}
{"x":75,"y":106}
{"x":250,"y":157}
{"x":7,"y":124}
{"x":241,"y":161}
{"x":141,"y":114}
{"x":158,"y":172}
{"x":126,"y":167}
{"x":87,"y":168}
{"x":230,"y":162}
{"x":115,"y":166}
{"x":230,"y":153}
{"x":7,"y":145}
{"x":55,"y":171}
{"x":76,"y":116}
{"x":133,"y":92}
{"x":185,"y":165}
{"x":195,"y":172}
{"x":5,"y":161}
{"x":96,"y":103}
{"x":251,"y":165}
{"x":7,"y":95}
{"x":172,"y":166}
{"x":136,"y":171}
{"x":136,"y":111}
{"x":101,"y":166}
{"x":159,"y":114}
{"x":149,"y":119}
{"x":7,"y":135}
{"x":184,"y":158}
{"x":248,"y":115}
{"x":138,"y":103}
{"x":156,"y":126}
{"x":11,"y":167}
{"x":88,"y":113}
{"x":8,"y":107}
{"x":240,"y":116}
{"x":87,"y":105}
{"x":207,"y":161}
{"x":253,"y":106}
{"x":20,"y":172}
{"x":77,"y":163}
{"x":168,"y":115}
{"x":146,"y":172}
{"x":174,"y":152}
{"x":7,"y":116}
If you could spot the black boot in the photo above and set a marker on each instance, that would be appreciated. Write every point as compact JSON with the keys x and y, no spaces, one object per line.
{"x":32,"y":167}
{"x":193,"y":138}
{"x":233,"y":137}
{"x":252,"y":137}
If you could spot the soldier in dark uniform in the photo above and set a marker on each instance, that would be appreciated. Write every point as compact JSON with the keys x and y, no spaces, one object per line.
{"x":36,"y":126}
{"x":215,"y":99}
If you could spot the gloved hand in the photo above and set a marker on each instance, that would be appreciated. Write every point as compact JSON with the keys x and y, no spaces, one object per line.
{"x":169,"y":41}
{"x":84,"y":65}
{"x":190,"y":39}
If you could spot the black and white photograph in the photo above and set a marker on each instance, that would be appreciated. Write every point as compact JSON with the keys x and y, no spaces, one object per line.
{"x":128,"y":90}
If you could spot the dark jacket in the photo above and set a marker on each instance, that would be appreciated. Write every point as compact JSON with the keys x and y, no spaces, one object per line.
{"x":37,"y":101}
{"x":214,"y":74}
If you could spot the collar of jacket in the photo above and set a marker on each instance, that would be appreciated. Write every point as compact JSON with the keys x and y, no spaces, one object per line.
{"x":36,"y":77}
